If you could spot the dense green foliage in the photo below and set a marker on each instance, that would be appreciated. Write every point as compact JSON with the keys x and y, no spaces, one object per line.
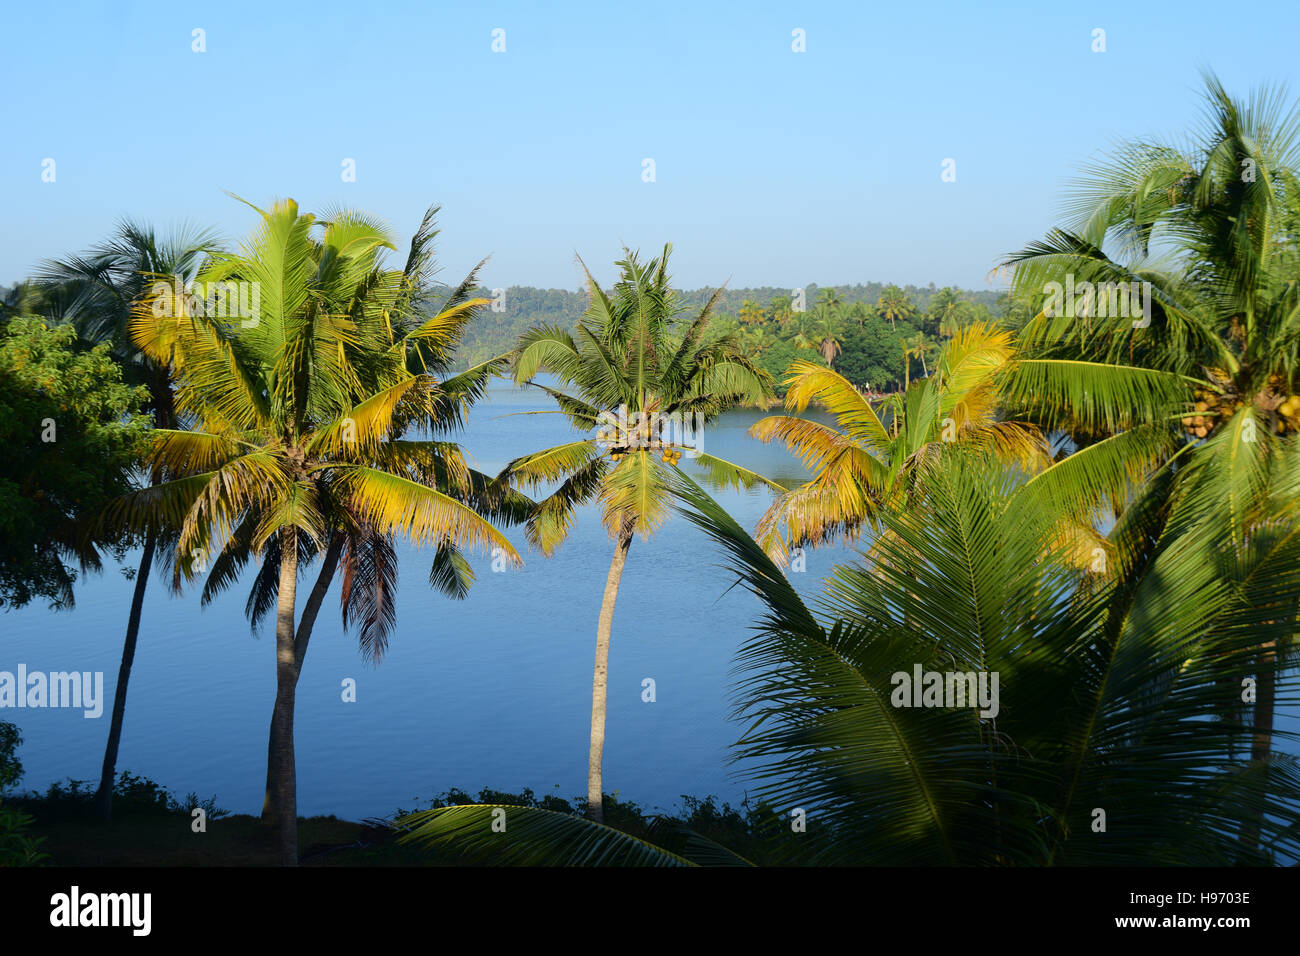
{"x":73,"y":431}
{"x":872,"y":354}
{"x":134,"y":795}
{"x":11,"y":768}
{"x":17,"y":846}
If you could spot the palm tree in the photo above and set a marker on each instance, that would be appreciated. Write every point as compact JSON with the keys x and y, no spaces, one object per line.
{"x":294,"y":415}
{"x":1206,"y":354}
{"x":829,"y":299}
{"x":779,"y":308}
{"x":915,"y":347}
{"x":804,"y":336}
{"x":756,"y":341}
{"x":947,"y":311}
{"x":875,"y":456}
{"x":22,"y":298}
{"x":894,"y":304}
{"x":625,"y":378}
{"x":1106,"y":684}
{"x":365,"y":558}
{"x":751,"y":313}
{"x":97,"y":292}
{"x":826,"y":336}
{"x":1104,"y":687}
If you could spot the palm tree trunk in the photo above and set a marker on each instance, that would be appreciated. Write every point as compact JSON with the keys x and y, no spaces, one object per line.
{"x":1262,"y":726}
{"x":104,"y":798}
{"x":600,"y":678}
{"x":268,"y":799}
{"x":286,"y":686}
{"x":310,"y":610}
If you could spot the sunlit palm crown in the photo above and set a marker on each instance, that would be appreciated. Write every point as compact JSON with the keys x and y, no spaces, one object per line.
{"x":878,"y":453}
{"x":1208,"y":390}
{"x":298,"y":413}
{"x":627,"y":353}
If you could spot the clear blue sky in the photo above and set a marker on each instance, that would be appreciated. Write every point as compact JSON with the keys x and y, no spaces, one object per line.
{"x":773,"y":168}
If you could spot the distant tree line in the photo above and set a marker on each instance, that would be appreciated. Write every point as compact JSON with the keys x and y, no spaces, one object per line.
{"x":877,"y":335}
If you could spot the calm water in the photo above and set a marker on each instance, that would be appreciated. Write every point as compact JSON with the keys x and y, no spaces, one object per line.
{"x":491,"y":691}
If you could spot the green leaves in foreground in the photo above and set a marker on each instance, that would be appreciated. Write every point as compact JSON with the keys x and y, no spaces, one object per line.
{"x":525,"y":836}
{"x":1121,"y":736}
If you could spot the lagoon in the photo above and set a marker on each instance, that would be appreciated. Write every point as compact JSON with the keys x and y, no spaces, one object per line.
{"x":493,"y":691}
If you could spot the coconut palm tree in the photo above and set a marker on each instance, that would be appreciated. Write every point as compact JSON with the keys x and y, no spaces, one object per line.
{"x":620,"y":374}
{"x":754,"y":341}
{"x":894,"y":304}
{"x":751,"y":313}
{"x":876,"y":455}
{"x":21,"y":298}
{"x":1099,"y":743}
{"x":779,"y":308}
{"x":947,"y":311}
{"x":365,"y":559}
{"x":1107,"y":684}
{"x":828,"y":299}
{"x":826,"y":335}
{"x":917,"y":346}
{"x":1177,"y":282}
{"x":295,"y":411}
{"x":803,"y":337}
{"x":97,"y":292}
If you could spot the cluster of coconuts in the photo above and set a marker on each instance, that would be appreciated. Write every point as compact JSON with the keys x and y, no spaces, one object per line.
{"x":1207,"y":405}
{"x":1274,"y":398}
{"x":671,"y":456}
{"x":1288,"y":415}
{"x":638,"y":438}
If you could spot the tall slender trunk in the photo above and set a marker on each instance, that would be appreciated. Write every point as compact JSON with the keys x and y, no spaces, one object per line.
{"x":600,"y":678}
{"x":310,"y":610}
{"x":268,"y":798}
{"x":104,"y":798}
{"x":286,"y":686}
